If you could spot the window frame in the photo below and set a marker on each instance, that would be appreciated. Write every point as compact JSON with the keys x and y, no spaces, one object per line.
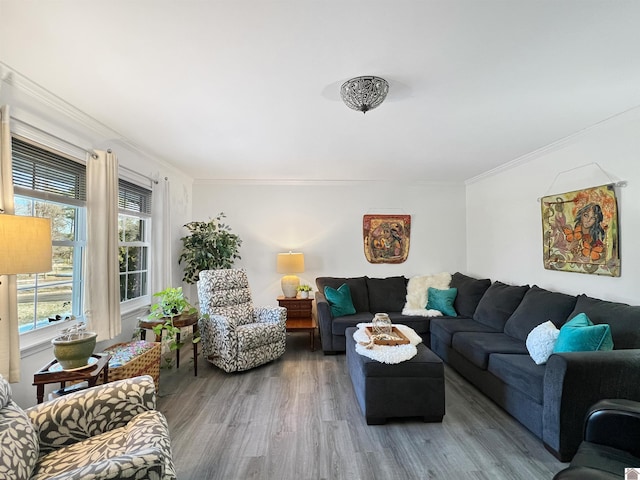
{"x":145,"y":299}
{"x":38,"y":339}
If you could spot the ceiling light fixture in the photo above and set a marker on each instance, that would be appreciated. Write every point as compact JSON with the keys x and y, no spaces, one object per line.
{"x":364,"y":93}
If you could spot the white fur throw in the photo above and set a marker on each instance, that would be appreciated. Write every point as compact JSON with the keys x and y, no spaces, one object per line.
{"x":417,"y":293}
{"x":384,"y":353}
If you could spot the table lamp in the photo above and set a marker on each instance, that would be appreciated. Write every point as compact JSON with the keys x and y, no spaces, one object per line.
{"x":25,"y":244}
{"x":290,"y":263}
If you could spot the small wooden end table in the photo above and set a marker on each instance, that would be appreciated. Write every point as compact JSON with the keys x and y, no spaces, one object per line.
{"x":179,"y":321}
{"x":52,"y":373}
{"x":300,"y":316}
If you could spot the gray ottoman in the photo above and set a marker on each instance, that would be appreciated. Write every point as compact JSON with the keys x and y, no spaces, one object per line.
{"x":414,"y":388}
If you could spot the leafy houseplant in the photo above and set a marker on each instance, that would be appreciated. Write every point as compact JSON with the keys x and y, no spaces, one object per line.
{"x":172,"y":304}
{"x":73,"y":347}
{"x":209,"y":246}
{"x":304,"y":290}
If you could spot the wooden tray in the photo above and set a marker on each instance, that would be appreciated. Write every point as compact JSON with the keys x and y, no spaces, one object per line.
{"x":402,"y":341}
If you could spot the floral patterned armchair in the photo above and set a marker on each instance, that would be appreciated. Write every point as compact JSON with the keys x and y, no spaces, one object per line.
{"x":110,"y":431}
{"x":235,"y":335}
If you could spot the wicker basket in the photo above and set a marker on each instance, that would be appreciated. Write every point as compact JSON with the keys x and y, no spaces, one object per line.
{"x":133,"y":359}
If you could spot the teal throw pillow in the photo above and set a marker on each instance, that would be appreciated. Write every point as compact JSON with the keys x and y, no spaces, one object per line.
{"x":442,"y":300}
{"x":340,"y":300}
{"x":580,"y":335}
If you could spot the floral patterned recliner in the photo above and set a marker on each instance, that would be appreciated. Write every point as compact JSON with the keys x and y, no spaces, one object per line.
{"x":110,"y":431}
{"x":235,"y":335}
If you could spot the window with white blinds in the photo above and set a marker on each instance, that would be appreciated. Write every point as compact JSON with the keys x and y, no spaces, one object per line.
{"x":52,"y":186}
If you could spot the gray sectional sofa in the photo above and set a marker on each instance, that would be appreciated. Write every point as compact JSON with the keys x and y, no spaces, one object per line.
{"x":485,"y":343}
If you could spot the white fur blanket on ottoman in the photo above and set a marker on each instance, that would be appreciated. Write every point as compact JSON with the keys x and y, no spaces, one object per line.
{"x":385,"y":353}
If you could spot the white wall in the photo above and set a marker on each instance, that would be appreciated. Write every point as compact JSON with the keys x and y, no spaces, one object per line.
{"x":504,"y":226}
{"x":324,"y":221}
{"x":47,"y":114}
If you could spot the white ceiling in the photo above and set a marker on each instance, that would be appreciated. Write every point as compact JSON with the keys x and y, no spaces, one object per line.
{"x":249,"y":89}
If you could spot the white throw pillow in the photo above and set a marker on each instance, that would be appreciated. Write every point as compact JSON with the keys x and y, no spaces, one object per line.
{"x":417,"y":288}
{"x":541,"y":340}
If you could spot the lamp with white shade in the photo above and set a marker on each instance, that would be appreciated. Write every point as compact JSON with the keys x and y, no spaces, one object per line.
{"x":25,"y":244}
{"x":290,"y":264}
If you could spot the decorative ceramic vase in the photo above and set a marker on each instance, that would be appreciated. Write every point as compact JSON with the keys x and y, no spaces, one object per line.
{"x":304,"y":294}
{"x":73,"y":351}
{"x":382,"y":324}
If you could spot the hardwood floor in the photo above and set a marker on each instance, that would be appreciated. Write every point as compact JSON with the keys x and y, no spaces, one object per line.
{"x":298,"y":418}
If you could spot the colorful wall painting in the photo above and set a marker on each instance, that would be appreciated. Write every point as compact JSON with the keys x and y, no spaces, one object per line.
{"x":386,"y":238}
{"x":580,"y":231}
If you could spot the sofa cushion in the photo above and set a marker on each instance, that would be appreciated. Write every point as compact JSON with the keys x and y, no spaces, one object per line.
{"x":340,"y":324}
{"x":108,"y":455}
{"x":520,"y":372}
{"x":599,"y":461}
{"x":339,"y":300}
{"x":470,"y":291}
{"x":18,"y":442}
{"x":357,"y":287}
{"x":537,"y":306}
{"x":541,"y":341}
{"x":580,"y":335}
{"x":418,"y":323}
{"x":386,"y":294}
{"x":476,"y":347}
{"x":498,"y":303}
{"x":446,"y":327}
{"x":442,"y":300}
{"x":622,"y":318}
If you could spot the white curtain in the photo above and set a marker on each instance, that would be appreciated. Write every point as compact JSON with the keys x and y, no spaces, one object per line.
{"x":9,"y":338}
{"x":102,"y":279}
{"x":161,"y":276}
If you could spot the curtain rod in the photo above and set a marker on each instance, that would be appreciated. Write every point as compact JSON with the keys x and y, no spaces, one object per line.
{"x":91,"y":152}
{"x":138,"y":173}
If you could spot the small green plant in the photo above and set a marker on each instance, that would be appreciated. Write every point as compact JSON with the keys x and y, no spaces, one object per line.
{"x":172,"y":304}
{"x":303,"y":288}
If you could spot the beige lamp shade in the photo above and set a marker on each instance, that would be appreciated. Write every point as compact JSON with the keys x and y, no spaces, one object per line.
{"x":25,"y":244}
{"x":290,"y":263}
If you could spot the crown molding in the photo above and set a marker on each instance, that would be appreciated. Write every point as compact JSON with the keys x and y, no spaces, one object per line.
{"x":619,"y":118}
{"x":51,"y":100}
{"x":46,"y":98}
{"x":319,"y":182}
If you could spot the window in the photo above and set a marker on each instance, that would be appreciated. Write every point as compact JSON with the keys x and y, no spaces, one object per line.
{"x":50,"y":185}
{"x":134,"y":203}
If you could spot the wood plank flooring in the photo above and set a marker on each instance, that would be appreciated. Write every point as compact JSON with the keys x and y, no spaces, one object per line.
{"x":297,"y":418}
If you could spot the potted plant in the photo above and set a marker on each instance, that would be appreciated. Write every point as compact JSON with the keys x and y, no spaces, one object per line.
{"x":172,"y":305}
{"x":304,"y":291}
{"x":209,"y":246}
{"x":74,"y":346}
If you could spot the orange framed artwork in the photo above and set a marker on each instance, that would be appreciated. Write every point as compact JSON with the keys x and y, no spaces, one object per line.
{"x":580,"y":231}
{"x":386,"y":238}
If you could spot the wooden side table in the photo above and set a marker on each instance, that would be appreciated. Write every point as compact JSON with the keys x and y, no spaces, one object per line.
{"x":53,"y":373}
{"x":180,"y":321}
{"x":300,"y":316}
